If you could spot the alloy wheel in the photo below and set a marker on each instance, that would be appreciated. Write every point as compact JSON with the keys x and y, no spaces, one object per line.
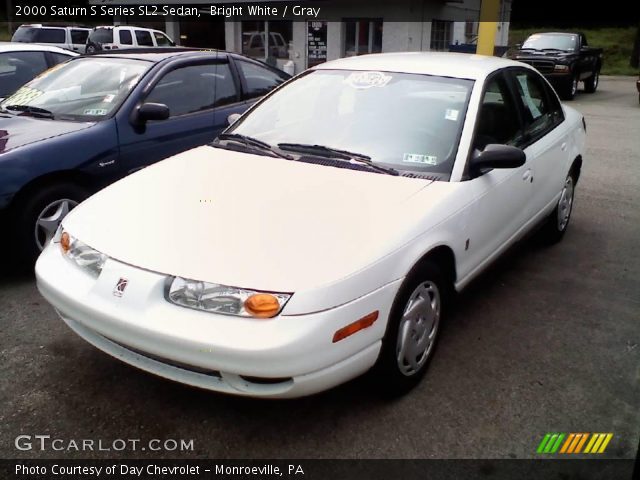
{"x":49,"y":220}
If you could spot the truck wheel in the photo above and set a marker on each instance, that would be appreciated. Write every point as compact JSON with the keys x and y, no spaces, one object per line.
{"x":591,"y":83}
{"x":571,"y":88}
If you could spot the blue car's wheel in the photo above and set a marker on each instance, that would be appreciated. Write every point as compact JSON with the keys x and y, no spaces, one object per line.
{"x":38,"y":215}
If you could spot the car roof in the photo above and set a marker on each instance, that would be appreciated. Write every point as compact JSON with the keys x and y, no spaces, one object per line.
{"x":50,"y":25}
{"x":157,"y":54}
{"x":445,"y":64}
{"x":33,"y":47}
{"x":127,"y":27}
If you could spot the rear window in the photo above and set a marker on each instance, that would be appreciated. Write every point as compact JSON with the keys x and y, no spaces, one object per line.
{"x":24,"y":34}
{"x":144,"y":38}
{"x":50,"y":35}
{"x":79,"y":37}
{"x":39,"y":35}
{"x":17,"y":68}
{"x":101,"y":35}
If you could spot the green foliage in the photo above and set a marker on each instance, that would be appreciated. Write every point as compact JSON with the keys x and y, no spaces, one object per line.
{"x":617,"y":44}
{"x":4,"y":32}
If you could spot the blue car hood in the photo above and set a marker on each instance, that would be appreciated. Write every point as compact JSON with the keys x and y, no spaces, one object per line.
{"x":20,"y":130}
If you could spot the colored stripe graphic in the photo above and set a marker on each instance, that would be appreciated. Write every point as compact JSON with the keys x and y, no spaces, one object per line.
{"x":581,"y":443}
{"x":550,"y":443}
{"x":573,"y":443}
{"x":598,"y":443}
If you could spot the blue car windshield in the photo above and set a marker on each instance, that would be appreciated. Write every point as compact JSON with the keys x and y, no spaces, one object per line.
{"x":85,"y":89}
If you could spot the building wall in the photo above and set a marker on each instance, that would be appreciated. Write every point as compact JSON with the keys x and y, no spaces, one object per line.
{"x":398,"y":34}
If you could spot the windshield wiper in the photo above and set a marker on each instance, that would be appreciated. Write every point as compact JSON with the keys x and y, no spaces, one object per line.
{"x":553,"y":50}
{"x":35,"y":111}
{"x":253,"y":143}
{"x":357,"y":158}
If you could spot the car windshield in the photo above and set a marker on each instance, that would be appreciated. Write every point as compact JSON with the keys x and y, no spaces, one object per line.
{"x":86,"y":89}
{"x":408,"y":122}
{"x":551,"y":41}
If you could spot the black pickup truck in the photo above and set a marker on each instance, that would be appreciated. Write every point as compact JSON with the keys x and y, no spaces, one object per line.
{"x":565,"y":59}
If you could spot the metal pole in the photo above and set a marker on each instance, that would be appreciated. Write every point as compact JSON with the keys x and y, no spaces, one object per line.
{"x":489,"y":11}
{"x":9,"y":22}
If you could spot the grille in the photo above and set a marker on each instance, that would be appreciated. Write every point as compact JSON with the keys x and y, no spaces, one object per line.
{"x":543,"y":66}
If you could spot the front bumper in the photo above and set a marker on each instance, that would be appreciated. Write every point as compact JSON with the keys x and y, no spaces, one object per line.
{"x":283,"y":357}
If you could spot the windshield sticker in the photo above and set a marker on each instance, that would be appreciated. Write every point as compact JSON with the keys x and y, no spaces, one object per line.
{"x":95,"y":112}
{"x":452,"y":114}
{"x":24,"y":96}
{"x":362,"y":80}
{"x":109,"y":98}
{"x":421,"y":159}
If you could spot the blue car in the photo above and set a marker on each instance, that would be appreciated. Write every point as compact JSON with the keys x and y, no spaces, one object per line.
{"x":94,"y":119}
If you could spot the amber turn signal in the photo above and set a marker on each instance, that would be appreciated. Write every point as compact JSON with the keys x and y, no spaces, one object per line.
{"x":65,"y":242}
{"x":262,"y":305}
{"x":364,"y":322}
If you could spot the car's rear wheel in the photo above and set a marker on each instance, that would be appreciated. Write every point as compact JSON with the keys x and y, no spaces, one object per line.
{"x":591,"y":83}
{"x":558,"y":221}
{"x":412,"y":331}
{"x":91,"y":49}
{"x":38,"y":216}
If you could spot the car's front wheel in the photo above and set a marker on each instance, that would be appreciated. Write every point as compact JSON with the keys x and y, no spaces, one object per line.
{"x":38,"y":216}
{"x":571,"y":87}
{"x":557,"y":223}
{"x":412,"y":330}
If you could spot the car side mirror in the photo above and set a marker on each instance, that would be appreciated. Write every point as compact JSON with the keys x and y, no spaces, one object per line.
{"x":496,"y":156}
{"x":233,"y":118}
{"x":152,"y":111}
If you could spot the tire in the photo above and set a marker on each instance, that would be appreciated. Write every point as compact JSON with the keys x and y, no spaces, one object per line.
{"x":393,"y":374}
{"x":557,"y":222}
{"x":571,"y":88}
{"x":37,"y":217}
{"x":591,"y":83}
{"x":90,"y":49}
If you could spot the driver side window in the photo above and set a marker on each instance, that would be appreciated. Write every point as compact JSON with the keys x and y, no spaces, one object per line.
{"x":498,"y":120}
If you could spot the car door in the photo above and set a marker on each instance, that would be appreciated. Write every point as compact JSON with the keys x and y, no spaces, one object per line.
{"x":500,"y":196}
{"x":188,"y":89}
{"x":545,"y":142}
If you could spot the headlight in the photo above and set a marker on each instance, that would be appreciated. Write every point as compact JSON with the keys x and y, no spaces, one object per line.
{"x":214,"y":298}
{"x":561,"y":68}
{"x":81,"y":254}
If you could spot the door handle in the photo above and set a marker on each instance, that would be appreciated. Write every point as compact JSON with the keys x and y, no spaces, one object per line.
{"x":563,"y":147}
{"x":527,"y":175}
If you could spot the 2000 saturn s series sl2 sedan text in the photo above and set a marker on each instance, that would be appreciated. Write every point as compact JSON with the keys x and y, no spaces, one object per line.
{"x":321,"y":235}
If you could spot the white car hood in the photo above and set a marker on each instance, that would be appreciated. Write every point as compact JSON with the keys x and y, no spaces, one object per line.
{"x":246,"y":220}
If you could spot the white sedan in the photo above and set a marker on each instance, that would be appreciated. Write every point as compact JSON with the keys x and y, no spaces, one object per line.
{"x":323,"y":234}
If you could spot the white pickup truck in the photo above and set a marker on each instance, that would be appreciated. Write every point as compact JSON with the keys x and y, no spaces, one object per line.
{"x":70,"y":38}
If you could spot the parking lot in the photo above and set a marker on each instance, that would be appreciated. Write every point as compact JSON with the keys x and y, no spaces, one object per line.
{"x":548,"y":340}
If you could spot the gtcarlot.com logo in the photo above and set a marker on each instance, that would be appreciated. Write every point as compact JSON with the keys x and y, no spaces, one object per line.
{"x":46,"y":443}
